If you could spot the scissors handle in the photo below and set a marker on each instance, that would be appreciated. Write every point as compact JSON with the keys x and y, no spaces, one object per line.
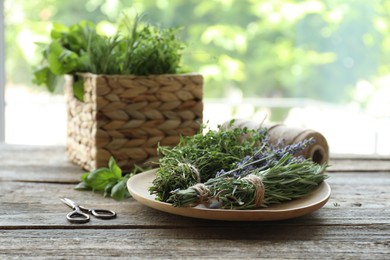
{"x":99,"y":213}
{"x":77,"y":216}
{"x":103,"y":213}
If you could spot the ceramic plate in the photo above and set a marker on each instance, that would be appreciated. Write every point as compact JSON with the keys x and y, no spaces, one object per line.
{"x":139,"y":184}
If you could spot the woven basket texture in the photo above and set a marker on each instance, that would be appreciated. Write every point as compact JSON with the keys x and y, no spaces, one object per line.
{"x":128,"y":116}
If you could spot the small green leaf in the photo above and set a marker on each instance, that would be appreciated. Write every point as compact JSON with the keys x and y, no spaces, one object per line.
{"x":99,"y":178}
{"x":84,"y":176}
{"x":78,"y":89}
{"x":58,"y":30}
{"x":82,"y":186}
{"x":115,"y":168}
{"x":44,"y":76}
{"x":118,"y":192}
{"x":54,"y":51}
{"x":108,"y":188}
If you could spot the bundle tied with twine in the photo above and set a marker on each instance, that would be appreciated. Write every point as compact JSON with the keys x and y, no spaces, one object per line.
{"x":250,"y":187}
{"x":317,"y":151}
{"x":249,"y":192}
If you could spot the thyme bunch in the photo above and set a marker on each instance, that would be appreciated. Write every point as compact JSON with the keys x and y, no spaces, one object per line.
{"x":202,"y":156}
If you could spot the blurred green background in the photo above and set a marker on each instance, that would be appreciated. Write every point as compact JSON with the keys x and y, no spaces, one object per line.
{"x":319,"y":64}
{"x":317,"y":49}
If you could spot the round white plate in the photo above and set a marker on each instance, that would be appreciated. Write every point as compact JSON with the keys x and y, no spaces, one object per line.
{"x":139,"y":184}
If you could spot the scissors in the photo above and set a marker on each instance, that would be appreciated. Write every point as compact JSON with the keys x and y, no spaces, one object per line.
{"x":80,"y":214}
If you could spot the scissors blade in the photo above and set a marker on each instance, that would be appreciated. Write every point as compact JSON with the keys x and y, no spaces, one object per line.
{"x":70,"y":203}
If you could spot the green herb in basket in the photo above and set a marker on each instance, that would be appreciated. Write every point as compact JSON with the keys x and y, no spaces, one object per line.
{"x":140,"y":49}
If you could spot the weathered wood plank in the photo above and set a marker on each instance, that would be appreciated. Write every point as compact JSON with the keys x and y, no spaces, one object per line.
{"x":260,"y":242}
{"x":354,"y":224}
{"x":32,"y":155}
{"x":37,"y":163}
{"x":356,"y":199}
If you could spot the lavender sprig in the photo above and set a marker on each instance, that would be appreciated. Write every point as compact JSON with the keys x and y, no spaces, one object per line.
{"x":268,"y":156}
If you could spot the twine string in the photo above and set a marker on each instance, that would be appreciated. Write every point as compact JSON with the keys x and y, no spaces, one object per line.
{"x":259,"y":188}
{"x":203,"y":191}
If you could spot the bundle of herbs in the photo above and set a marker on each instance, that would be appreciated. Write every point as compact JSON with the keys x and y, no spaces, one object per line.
{"x":140,"y":49}
{"x":286,"y":180}
{"x":200,"y":157}
{"x":249,"y":172}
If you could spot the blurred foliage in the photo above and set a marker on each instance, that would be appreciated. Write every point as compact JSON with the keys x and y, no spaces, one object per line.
{"x":318,"y":49}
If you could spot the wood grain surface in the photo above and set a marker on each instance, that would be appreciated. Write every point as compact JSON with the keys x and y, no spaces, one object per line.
{"x":354,"y":224}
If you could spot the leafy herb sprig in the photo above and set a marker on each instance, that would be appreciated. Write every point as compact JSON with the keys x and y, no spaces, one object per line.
{"x":109,"y":180}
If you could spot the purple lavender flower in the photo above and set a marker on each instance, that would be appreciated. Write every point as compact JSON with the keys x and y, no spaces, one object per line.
{"x":266,"y":157}
{"x":296,"y":148}
{"x":220,"y":173}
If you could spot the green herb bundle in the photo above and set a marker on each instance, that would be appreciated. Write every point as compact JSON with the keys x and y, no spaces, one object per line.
{"x":233,"y":168}
{"x":287,"y":180}
{"x":198,"y":158}
{"x":141,"y":50}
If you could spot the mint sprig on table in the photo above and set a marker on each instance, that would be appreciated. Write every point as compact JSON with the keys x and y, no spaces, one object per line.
{"x":110,"y":180}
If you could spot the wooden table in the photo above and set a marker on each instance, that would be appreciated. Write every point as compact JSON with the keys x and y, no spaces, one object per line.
{"x":354,"y":224}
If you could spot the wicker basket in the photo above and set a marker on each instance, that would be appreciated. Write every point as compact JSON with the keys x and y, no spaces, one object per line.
{"x":128,"y":116}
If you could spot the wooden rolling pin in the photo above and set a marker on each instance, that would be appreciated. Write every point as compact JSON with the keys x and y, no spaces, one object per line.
{"x":318,"y":151}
